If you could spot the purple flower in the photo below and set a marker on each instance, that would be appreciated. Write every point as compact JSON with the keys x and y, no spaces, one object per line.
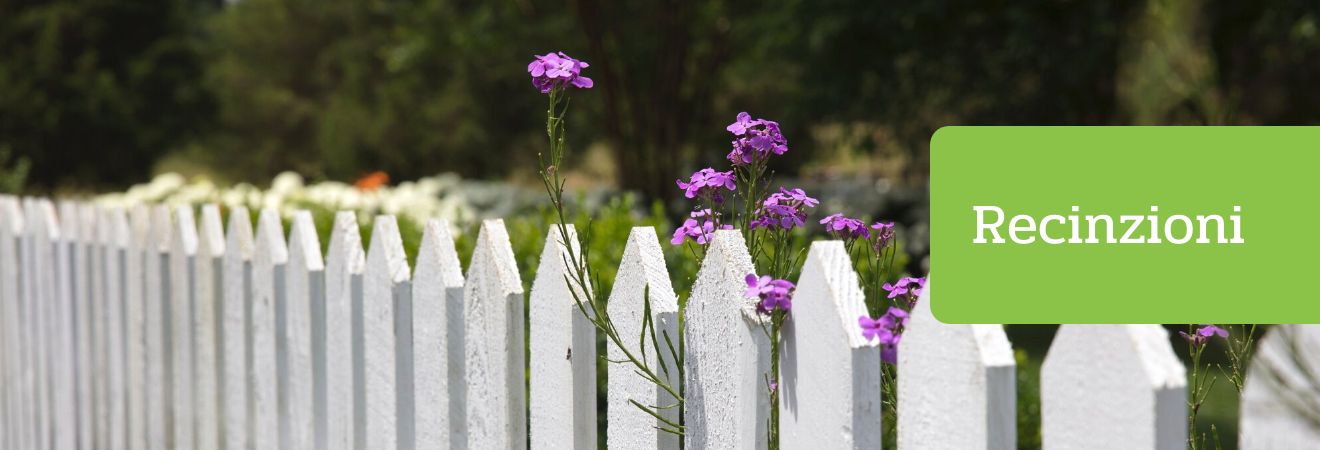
{"x":845,"y":228}
{"x":908,"y":286}
{"x":700,"y":226}
{"x":784,"y":210}
{"x":884,"y":234}
{"x":755,"y":139}
{"x":707,"y":182}
{"x":1210,"y":331}
{"x":554,"y":70}
{"x":775,"y":294}
{"x":888,"y":329}
{"x":1203,"y":334}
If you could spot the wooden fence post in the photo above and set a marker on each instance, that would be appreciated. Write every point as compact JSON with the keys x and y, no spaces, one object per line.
{"x":270,"y":258}
{"x":8,"y":324}
{"x":642,"y":277}
{"x":158,"y":278}
{"x":437,"y":299}
{"x":727,"y":354}
{"x":385,"y":280}
{"x":1113,"y":386}
{"x":343,"y":315}
{"x":115,"y":238}
{"x":957,"y":384}
{"x":234,"y":354}
{"x":183,"y":262}
{"x":493,"y":344}
{"x":1280,"y":404}
{"x":67,"y":321}
{"x":305,"y":296}
{"x":135,"y":359}
{"x":829,"y":373}
{"x":11,"y":227}
{"x":206,"y":324}
{"x":91,"y":320}
{"x":563,"y":351}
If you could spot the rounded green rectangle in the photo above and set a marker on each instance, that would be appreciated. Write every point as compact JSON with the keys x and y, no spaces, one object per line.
{"x":1261,"y":269}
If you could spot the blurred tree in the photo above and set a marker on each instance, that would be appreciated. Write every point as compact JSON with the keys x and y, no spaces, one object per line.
{"x":91,"y":92}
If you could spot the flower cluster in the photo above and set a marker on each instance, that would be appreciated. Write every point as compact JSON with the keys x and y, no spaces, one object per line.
{"x":845,"y":228}
{"x":707,"y":183}
{"x":884,"y":234}
{"x":555,"y":70}
{"x":700,"y":226}
{"x":906,"y":287}
{"x":775,"y":294}
{"x":784,"y":210}
{"x":755,"y":139}
{"x":888,"y":329}
{"x":1203,"y":334}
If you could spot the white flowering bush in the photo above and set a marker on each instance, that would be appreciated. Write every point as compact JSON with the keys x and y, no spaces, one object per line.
{"x":414,"y":201}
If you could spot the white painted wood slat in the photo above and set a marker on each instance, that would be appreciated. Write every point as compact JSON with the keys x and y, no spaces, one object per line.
{"x":829,"y":383}
{"x":493,"y":344}
{"x":642,"y":273}
{"x":725,"y":350}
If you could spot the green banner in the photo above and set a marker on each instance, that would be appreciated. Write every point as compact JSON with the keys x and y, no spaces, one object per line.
{"x":1125,"y":224}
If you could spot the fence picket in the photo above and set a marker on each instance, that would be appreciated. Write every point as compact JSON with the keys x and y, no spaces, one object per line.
{"x":305,"y":289}
{"x":1280,"y":406}
{"x":233,"y":333}
{"x":957,"y":384}
{"x":385,"y":282}
{"x":135,"y":326}
{"x":437,"y":300}
{"x":343,"y":313}
{"x":724,"y":349}
{"x":32,"y":345}
{"x":270,"y":258}
{"x":205,"y":324}
{"x":115,"y":241}
{"x":10,"y":228}
{"x":563,"y":388}
{"x":183,"y":283}
{"x":493,"y":344}
{"x":8,"y":428}
{"x":641,"y":273}
{"x":44,"y":237}
{"x":1112,"y":386}
{"x":825,"y":363}
{"x":91,"y":229}
{"x":64,"y":332}
{"x":159,"y":421}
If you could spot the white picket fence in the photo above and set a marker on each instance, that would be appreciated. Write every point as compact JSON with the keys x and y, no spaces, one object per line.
{"x":155,"y":329}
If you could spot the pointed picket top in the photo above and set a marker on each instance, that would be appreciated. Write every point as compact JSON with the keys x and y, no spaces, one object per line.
{"x":437,"y":299}
{"x":206,"y":380}
{"x":114,"y":241}
{"x":1113,"y":386}
{"x":345,"y":261}
{"x":270,"y":256}
{"x":829,"y":374}
{"x":642,"y":277}
{"x":211,"y":232}
{"x":727,"y":353}
{"x":239,"y":243}
{"x":386,"y":274}
{"x":563,"y":351}
{"x":135,"y":324}
{"x":493,"y":344}
{"x":1279,"y":401}
{"x":306,"y":287}
{"x":957,"y":384}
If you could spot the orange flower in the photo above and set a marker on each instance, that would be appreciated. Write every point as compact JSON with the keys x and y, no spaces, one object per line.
{"x":372,"y":181}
